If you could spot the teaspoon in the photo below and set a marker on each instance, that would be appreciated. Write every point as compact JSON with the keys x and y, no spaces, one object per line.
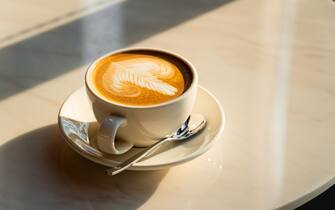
{"x":194,"y":124}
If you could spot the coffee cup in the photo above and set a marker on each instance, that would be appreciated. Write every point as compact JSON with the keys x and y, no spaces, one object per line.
{"x":139,"y":95}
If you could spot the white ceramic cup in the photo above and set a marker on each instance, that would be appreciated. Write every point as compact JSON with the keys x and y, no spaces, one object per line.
{"x":124,"y":126}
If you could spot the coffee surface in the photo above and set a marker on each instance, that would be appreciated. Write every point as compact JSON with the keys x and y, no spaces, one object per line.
{"x":138,"y":79}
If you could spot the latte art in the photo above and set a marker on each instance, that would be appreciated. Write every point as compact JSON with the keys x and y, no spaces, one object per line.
{"x":127,"y":78}
{"x":138,"y":79}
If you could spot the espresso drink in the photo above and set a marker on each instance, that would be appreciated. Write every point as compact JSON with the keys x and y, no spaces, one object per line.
{"x":141,"y":77}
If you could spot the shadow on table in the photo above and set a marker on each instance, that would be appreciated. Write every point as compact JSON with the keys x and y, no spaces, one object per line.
{"x":39,"y":171}
{"x":64,"y":48}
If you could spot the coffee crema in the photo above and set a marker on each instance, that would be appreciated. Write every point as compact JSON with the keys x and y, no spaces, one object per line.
{"x":135,"y":78}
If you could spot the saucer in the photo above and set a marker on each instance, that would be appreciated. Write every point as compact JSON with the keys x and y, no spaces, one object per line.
{"x":78,"y":126}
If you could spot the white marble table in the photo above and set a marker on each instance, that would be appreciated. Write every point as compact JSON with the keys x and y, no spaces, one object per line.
{"x":270,"y":63}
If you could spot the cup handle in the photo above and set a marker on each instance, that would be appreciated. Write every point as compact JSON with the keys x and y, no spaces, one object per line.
{"x":106,"y":140}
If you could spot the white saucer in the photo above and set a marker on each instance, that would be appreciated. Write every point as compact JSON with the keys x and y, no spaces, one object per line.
{"x":78,"y":126}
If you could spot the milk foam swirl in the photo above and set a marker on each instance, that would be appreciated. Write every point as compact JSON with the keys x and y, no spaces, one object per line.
{"x":132,"y":77}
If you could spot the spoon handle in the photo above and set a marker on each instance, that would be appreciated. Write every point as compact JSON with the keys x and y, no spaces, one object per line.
{"x":137,"y":157}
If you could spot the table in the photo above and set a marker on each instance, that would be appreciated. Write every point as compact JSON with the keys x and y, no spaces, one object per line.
{"x":269,"y":62}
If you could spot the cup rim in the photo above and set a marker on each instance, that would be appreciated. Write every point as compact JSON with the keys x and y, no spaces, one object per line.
{"x":93,"y":91}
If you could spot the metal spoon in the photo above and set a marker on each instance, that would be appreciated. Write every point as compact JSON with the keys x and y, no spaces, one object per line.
{"x":193,"y":124}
